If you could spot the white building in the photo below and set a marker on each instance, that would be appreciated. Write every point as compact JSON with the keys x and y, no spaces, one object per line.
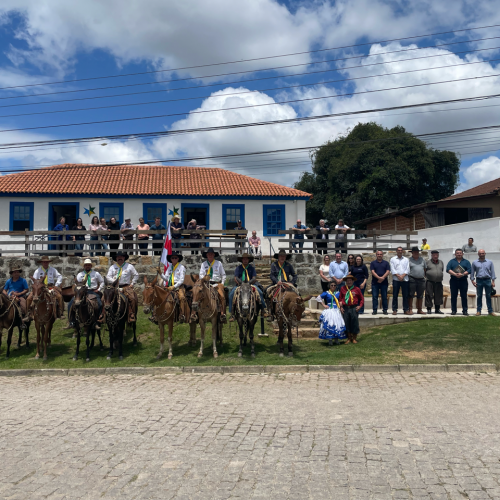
{"x":215,"y":197}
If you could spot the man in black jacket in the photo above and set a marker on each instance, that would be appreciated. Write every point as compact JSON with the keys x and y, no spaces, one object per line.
{"x":322,"y":235}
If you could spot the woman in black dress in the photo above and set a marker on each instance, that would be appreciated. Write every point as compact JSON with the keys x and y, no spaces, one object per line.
{"x":360,"y":272}
{"x":113,"y":225}
{"x":350,"y":262}
{"x":79,"y":238}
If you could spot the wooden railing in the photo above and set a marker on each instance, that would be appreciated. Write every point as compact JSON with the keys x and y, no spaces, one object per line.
{"x":312,"y":242}
{"x":61,"y":242}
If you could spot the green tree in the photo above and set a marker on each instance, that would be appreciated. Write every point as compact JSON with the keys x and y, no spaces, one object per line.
{"x":372,"y":168}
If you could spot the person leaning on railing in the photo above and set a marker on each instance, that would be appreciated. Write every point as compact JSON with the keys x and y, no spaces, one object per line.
{"x":113,"y":225}
{"x":158,"y":237}
{"x":194,"y":226}
{"x":79,"y":237}
{"x":143,"y":238}
{"x":94,"y":226}
{"x":126,"y":229}
{"x":61,"y":227}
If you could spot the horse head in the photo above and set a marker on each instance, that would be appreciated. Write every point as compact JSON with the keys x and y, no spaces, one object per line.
{"x":298,"y":306}
{"x":37,"y":289}
{"x":110,"y":292}
{"x":148,"y":294}
{"x":245,"y":298}
{"x":199,"y":289}
{"x":80,"y":293}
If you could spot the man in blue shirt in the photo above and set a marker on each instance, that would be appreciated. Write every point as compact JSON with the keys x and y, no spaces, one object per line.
{"x":176,"y":228}
{"x":484,"y":273}
{"x":17,"y":287}
{"x":458,"y":269}
{"x":299,"y":235}
{"x":380,"y":269}
{"x":158,"y":226}
{"x":338,"y":271}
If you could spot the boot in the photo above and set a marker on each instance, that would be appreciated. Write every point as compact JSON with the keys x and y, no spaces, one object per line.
{"x":354,"y":337}
{"x":410,"y":306}
{"x":438,"y":310}
{"x":349,"y":337}
{"x":429,"y":310}
{"x":419,"y":306}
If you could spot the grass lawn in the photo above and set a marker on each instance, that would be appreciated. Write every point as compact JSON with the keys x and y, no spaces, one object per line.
{"x":451,"y":340}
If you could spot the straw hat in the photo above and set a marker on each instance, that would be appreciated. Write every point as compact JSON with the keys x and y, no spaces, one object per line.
{"x":87,"y":261}
{"x":350,"y":276}
{"x":44,"y":258}
{"x":15,"y":266}
{"x":248,"y":256}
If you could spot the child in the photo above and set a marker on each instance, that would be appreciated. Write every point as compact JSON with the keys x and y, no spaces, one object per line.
{"x":331,"y":321}
{"x":351,"y":300}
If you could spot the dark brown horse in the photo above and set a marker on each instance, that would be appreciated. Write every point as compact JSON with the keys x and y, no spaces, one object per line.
{"x":115,"y":310}
{"x":86,"y":316}
{"x":10,"y":317}
{"x":44,"y":314}
{"x":246,"y":313}
{"x":162,"y":303}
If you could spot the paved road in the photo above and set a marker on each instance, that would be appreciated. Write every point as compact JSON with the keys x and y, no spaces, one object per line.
{"x":295,"y":436}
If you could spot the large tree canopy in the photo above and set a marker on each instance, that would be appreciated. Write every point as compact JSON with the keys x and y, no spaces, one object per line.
{"x":372,"y":168}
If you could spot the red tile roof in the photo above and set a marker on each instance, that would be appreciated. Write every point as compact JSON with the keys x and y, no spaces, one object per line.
{"x":491,"y":187}
{"x":142,"y":180}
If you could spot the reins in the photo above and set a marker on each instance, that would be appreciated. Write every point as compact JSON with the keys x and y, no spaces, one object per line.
{"x":91,"y":307}
{"x":213,"y":299}
{"x":44,"y":296}
{"x":112,"y":318}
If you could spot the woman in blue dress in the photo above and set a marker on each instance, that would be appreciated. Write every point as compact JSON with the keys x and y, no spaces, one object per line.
{"x":332,"y":326}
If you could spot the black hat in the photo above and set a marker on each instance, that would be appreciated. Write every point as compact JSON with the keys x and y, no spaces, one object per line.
{"x":247,"y":255}
{"x":210,"y":249}
{"x":415,"y":249}
{"x":177,"y":254}
{"x":282,"y":252}
{"x":434,"y":251}
{"x":120,"y":253}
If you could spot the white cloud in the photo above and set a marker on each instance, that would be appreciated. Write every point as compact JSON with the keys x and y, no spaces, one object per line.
{"x":481,"y":172}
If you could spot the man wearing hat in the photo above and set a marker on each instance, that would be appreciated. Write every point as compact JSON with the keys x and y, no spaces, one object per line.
{"x":416,"y":277}
{"x":351,"y":300}
{"x":94,"y":282}
{"x":245,"y":272}
{"x":127,"y":276}
{"x":425,"y":245}
{"x":158,"y":226}
{"x":434,"y":283}
{"x":17,"y":287}
{"x":238,"y":246}
{"x":52,"y":279}
{"x":127,"y":226}
{"x":176,"y":228}
{"x":174,"y":281}
{"x":215,"y":270}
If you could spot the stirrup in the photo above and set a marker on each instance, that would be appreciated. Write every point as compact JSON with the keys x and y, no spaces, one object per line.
{"x":182,"y":318}
{"x":223,"y":318}
{"x":153,"y":320}
{"x":231,"y":318}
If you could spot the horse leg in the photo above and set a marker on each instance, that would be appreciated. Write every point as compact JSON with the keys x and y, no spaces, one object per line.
{"x":162,"y":339}
{"x":111,"y":339}
{"x":10,"y":332}
{"x":192,"y":334}
{"x":202,"y":328}
{"x":170,"y":333}
{"x":240,"y":326}
{"x":252,"y":326}
{"x":290,"y":341}
{"x":45,"y":339}
{"x":77,"y":328}
{"x":101,"y":346}
{"x":38,"y":335}
{"x":134,"y":324}
{"x":20,"y":337}
{"x":215,"y":334}
{"x":26,"y":333}
{"x":88,"y":342}
{"x":281,"y":336}
{"x":120,"y":341}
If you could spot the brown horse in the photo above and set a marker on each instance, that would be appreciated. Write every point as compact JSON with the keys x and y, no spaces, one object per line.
{"x":205,"y":307}
{"x":10,"y":317}
{"x":288,"y":312}
{"x":162,"y":302}
{"x":44,"y":314}
{"x":116,"y":309}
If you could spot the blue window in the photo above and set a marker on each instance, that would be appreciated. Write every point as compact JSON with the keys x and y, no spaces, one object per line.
{"x":21,"y":216}
{"x":231,"y":214}
{"x":108,"y":210}
{"x":152,"y":210}
{"x":274,"y":219}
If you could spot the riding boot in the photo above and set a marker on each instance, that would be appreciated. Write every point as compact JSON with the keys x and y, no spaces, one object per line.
{"x":354,"y":337}
{"x":419,"y":307}
{"x":410,"y":306}
{"x":349,"y":336}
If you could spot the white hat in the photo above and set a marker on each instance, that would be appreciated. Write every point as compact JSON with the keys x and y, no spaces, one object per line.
{"x":87,"y":261}
{"x":128,"y":218}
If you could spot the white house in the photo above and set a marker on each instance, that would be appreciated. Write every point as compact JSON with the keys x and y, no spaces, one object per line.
{"x":215,"y":197}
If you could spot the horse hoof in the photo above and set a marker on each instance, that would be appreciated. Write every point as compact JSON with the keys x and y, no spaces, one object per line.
{"x":101,"y":349}
{"x":74,"y":358}
{"x":253,"y":355}
{"x":121,"y":358}
{"x":37,"y":356}
{"x":7,"y":356}
{"x":290,"y":354}
{"x":87,"y":360}
{"x":240,"y":354}
{"x":134,"y":344}
{"x":200,"y":354}
{"x":282,"y":355}
{"x":109,"y":358}
{"x":216,"y":355}
{"x":169,"y":356}
{"x":45,"y":358}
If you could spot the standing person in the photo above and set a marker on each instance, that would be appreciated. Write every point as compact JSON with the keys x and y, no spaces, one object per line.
{"x":174,"y":281}
{"x":255,"y":245}
{"x":434,"y":283}
{"x":193,"y":226}
{"x":324,"y":273}
{"x":158,"y":238}
{"x":332,"y":326}
{"x":176,"y":228}
{"x":239,"y":245}
{"x":360,"y":273}
{"x":143,"y":238}
{"x":469,"y":247}
{"x":94,"y":226}
{"x":380,"y":270}
{"x":458,"y":269}
{"x":215,"y":270}
{"x":342,"y":230}
{"x":351,"y":300}
{"x":483,"y":271}
{"x":17,"y":287}
{"x":113,"y":225}
{"x":61,"y":227}
{"x":425,"y":245}
{"x":323,"y":231}
{"x":418,"y":267}
{"x":299,"y":230}
{"x":79,"y":237}
{"x":338,"y":270}
{"x":351,"y":261}
{"x":400,"y":268}
{"x":126,"y":229}
{"x":104,"y":237}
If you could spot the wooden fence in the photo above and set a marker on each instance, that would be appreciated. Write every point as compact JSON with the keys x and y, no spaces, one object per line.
{"x":372,"y":242}
{"x":31,"y":243}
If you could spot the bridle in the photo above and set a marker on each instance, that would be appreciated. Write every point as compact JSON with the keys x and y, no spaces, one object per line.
{"x":164,"y":317}
{"x":11,"y":304}
{"x":91,"y":308}
{"x":252,"y":308}
{"x":112,"y":318}
{"x":205,"y":287}
{"x":44,"y":297}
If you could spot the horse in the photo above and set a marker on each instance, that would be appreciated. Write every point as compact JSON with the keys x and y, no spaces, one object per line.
{"x":10,"y":317}
{"x":162,"y":302}
{"x":206,"y":303}
{"x":288,"y":313}
{"x":86,"y":315}
{"x":45,"y":315}
{"x":116,"y":309}
{"x":246,"y":314}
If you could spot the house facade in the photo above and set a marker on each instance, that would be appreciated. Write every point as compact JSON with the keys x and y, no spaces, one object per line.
{"x":215,"y":197}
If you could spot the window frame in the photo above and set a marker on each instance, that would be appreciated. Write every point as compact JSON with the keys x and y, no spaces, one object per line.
{"x":264,"y":219}
{"x":13,"y":204}
{"x":163,"y":207}
{"x":103,"y":205}
{"x":239,"y":206}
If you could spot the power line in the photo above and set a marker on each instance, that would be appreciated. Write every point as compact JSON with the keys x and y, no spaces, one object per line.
{"x":253,"y":59}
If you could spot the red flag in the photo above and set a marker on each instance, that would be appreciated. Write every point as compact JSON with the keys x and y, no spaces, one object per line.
{"x":167,"y":249}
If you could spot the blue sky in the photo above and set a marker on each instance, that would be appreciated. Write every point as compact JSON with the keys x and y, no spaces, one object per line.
{"x":44,"y":42}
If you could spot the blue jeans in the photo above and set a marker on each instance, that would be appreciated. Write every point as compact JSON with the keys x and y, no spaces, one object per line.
{"x":176,"y":243}
{"x":458,"y":285}
{"x":484,"y":283}
{"x":382,"y":288}
{"x":299,"y":244}
{"x":143,"y":246}
{"x":94,"y":246}
{"x":232,"y":292}
{"x":404,"y":286}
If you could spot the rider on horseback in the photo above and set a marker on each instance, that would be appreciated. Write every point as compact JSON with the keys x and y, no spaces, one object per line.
{"x":243,"y":273}
{"x":16,"y":289}
{"x":174,"y":281}
{"x":214,"y":269}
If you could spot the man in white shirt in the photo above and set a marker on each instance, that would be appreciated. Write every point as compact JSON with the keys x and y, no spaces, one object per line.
{"x":127,"y":276}
{"x":215,"y":270}
{"x":400,"y":268}
{"x":174,"y":281}
{"x":341,"y":235}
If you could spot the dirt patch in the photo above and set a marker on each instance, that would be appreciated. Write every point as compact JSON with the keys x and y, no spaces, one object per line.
{"x":426,"y":354}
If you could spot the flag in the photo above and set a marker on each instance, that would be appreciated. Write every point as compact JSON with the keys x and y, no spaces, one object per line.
{"x":167,"y":249}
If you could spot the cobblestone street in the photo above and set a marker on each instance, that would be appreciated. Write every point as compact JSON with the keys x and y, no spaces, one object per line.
{"x":294,"y":436}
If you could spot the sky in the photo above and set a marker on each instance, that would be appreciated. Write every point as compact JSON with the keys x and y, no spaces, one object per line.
{"x":104,"y":68}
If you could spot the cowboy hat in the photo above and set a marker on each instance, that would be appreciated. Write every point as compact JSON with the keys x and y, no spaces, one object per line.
{"x":208,"y":251}
{"x":176,"y":254}
{"x":248,"y":256}
{"x":15,"y":267}
{"x":350,"y":277}
{"x":87,"y":261}
{"x":121,"y":254}
{"x":175,"y":217}
{"x":415,"y":249}
{"x":44,"y":258}
{"x":282,"y":252}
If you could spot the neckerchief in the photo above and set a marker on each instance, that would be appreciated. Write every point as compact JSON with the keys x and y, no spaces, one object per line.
{"x":246,"y":272}
{"x":120,"y":271}
{"x":87,"y":278}
{"x":46,"y":278}
{"x":171,"y":280}
{"x":282,"y":271}
{"x":210,"y":269}
{"x":333,"y":297}
{"x":349,"y":294}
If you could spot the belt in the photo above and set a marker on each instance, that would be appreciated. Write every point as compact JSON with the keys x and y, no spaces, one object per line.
{"x":123,"y":285}
{"x":350,"y":307}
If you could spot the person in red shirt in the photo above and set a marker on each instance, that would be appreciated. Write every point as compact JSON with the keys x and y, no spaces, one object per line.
{"x":351,"y":300}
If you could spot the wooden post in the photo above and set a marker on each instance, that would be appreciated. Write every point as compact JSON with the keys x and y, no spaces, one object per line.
{"x":289,"y":243}
{"x":63,"y":246}
{"x":26,"y":243}
{"x":408,"y":241}
{"x":374,"y":242}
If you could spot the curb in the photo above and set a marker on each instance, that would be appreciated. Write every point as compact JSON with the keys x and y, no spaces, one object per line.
{"x":254,"y":369}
